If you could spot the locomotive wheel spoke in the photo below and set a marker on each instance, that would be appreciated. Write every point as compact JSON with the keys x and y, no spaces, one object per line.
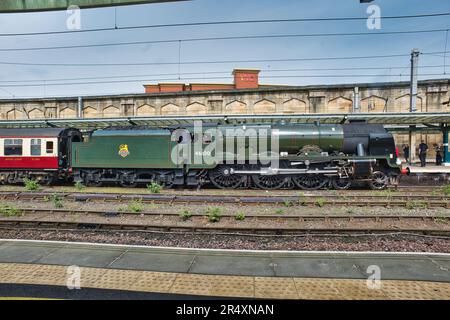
{"x":310,"y":181}
{"x":379,"y":180}
{"x":269,"y":182}
{"x":341,"y":183}
{"x":221,"y":178}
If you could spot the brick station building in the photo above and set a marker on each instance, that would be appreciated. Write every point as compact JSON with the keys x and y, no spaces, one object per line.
{"x":244,"y":96}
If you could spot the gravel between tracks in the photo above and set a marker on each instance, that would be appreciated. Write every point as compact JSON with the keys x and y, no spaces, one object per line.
{"x":232,"y":209}
{"x":202,"y":221}
{"x":392,"y":243}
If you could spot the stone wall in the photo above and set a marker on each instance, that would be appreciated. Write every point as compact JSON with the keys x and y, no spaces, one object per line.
{"x":433,"y":96}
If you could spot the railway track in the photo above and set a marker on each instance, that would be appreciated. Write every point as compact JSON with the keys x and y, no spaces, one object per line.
{"x":165,"y":228}
{"x":437,"y":225}
{"x":302,"y":218}
{"x":377,"y":199}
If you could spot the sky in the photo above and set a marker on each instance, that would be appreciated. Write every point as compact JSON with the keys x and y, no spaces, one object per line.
{"x":18,"y":81}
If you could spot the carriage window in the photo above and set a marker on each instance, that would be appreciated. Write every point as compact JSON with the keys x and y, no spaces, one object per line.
{"x":49,"y":146}
{"x":35,"y":147}
{"x":13,"y":147}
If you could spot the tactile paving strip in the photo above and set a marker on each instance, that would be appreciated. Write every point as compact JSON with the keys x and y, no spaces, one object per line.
{"x":223,"y":286}
{"x":159,"y":282}
{"x":316,"y":289}
{"x":33,"y":274}
{"x":275,"y":288}
{"x":211,"y":285}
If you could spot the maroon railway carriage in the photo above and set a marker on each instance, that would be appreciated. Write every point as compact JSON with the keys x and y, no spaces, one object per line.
{"x":38,"y":154}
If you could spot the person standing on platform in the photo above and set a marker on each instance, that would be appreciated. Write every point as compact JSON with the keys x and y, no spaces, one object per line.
{"x":423,"y":148}
{"x":406,"y":153}
{"x":438,"y":156}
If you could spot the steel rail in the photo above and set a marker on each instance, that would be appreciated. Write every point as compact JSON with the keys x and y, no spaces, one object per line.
{"x":304,"y":217}
{"x":300,"y":194}
{"x":390,"y":200}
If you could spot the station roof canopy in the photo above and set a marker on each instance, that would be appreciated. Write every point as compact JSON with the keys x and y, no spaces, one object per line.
{"x":430,"y":119}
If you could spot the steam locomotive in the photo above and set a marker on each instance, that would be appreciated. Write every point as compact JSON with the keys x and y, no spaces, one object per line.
{"x":264,"y":156}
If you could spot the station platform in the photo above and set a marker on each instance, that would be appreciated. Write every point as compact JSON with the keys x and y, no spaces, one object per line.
{"x":431,"y":175}
{"x":429,"y":169}
{"x":170,"y":273}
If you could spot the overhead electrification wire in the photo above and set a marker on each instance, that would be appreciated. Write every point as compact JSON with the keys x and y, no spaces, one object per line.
{"x":191,"y":24}
{"x":201,"y":62}
{"x":212,"y":62}
{"x":8,"y":92}
{"x":179,"y":41}
{"x":212,"y":72}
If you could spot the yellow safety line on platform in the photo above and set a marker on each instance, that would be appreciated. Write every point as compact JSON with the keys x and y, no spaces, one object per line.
{"x":222,"y":286}
{"x":26,"y":298}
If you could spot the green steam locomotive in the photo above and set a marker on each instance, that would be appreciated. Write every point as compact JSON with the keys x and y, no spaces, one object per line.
{"x":264,"y":156}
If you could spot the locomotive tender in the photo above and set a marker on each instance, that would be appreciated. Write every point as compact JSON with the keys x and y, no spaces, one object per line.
{"x":307,"y":156}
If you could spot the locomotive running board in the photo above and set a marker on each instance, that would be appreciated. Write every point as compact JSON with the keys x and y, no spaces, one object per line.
{"x":277,"y":171}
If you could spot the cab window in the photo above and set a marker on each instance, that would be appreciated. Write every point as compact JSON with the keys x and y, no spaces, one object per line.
{"x":35,"y":149}
{"x":49,"y":146}
{"x":13,"y":147}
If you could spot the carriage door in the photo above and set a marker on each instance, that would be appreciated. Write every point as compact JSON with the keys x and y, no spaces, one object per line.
{"x":65,"y":147}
